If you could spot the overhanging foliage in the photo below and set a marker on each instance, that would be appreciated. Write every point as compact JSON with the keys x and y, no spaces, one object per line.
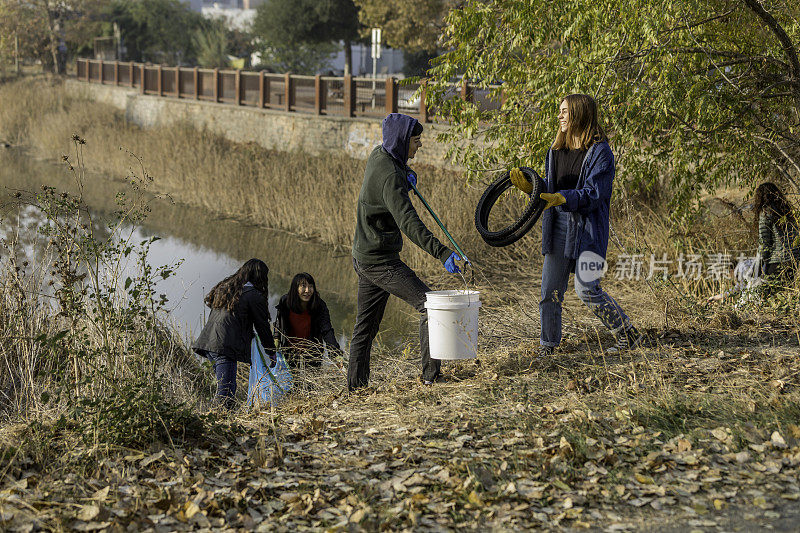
{"x":694,"y":95}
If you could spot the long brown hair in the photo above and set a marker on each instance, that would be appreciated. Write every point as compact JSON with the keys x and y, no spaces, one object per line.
{"x":583,"y":129}
{"x":770,"y":199}
{"x":226,"y":293}
{"x":293,"y":297}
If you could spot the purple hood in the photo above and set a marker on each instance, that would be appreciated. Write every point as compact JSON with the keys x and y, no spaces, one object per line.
{"x":397,"y":130}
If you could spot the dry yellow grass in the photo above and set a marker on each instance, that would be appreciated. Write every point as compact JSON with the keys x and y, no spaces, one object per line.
{"x":701,"y":422}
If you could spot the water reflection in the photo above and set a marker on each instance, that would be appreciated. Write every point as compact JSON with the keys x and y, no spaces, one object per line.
{"x":212,"y":248}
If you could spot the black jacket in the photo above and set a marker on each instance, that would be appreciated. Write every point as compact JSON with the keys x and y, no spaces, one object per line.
{"x":321,"y":328}
{"x":230,"y":332}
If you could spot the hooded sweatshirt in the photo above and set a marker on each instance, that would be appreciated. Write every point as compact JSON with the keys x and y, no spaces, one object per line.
{"x":384,"y":209}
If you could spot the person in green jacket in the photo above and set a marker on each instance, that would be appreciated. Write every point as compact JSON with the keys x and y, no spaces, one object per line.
{"x":383,"y":214}
{"x":778,"y":245}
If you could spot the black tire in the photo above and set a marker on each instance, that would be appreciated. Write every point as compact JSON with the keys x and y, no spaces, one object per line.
{"x":519,"y":227}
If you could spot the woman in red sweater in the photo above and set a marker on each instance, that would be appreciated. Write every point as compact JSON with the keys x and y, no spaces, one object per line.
{"x":303,"y":325}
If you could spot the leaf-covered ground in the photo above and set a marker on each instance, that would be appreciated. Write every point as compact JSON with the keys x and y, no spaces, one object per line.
{"x":683,"y":436}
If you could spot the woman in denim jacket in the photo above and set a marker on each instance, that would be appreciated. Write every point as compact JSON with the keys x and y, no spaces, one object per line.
{"x":579,"y":171}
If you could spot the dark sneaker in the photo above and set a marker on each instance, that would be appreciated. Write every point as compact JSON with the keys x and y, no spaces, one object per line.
{"x":546,"y":351}
{"x":628,"y":340}
{"x":438,"y":379}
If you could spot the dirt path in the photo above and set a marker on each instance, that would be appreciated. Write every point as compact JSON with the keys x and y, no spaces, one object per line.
{"x":661,"y":439}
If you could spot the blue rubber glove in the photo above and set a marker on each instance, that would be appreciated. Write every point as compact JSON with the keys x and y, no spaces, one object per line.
{"x":411,"y":176}
{"x":450,"y":265}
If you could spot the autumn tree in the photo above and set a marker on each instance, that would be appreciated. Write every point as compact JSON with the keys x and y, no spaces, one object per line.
{"x":410,"y":25}
{"x":37,"y":28}
{"x":21,"y":32}
{"x":694,"y":95}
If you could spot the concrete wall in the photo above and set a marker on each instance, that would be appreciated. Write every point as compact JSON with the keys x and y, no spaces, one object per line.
{"x":274,"y":130}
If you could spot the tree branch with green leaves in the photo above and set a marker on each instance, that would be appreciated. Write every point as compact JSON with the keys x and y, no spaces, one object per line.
{"x":694,"y":95}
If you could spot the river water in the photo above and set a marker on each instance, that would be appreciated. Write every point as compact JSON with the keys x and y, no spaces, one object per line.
{"x":210,"y":248}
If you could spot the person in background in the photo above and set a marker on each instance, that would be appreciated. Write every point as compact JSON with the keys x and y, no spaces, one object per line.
{"x":745,"y":277}
{"x":238,"y":305}
{"x":384,"y":213}
{"x":579,"y":171}
{"x":303,"y":324}
{"x":777,"y":230}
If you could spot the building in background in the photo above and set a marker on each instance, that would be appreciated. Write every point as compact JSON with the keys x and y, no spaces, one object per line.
{"x":390,"y":63}
{"x":236,"y":18}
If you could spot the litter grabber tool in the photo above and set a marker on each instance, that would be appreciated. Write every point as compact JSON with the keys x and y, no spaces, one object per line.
{"x":444,"y":229}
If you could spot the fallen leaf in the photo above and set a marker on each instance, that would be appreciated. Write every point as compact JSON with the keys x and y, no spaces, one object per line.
{"x":101,"y":494}
{"x":761,"y":502}
{"x":88,"y":513}
{"x":475,"y":499}
{"x":777,"y":440}
{"x":151,"y":459}
{"x":358,"y":516}
{"x":190,"y":509}
{"x":720,"y":434}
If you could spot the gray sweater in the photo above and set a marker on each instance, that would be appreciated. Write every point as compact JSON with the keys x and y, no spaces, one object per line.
{"x":776,"y":239}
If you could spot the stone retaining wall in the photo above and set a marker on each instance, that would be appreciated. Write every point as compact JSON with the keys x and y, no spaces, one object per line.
{"x":274,"y":130}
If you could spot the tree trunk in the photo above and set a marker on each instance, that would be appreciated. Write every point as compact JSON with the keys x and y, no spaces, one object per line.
{"x":52,"y":35}
{"x":787,"y":45}
{"x":348,"y":57}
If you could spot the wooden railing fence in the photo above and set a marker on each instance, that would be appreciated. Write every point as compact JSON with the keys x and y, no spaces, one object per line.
{"x":347,"y":96}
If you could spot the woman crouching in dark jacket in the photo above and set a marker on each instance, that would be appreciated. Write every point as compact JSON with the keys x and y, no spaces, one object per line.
{"x":238,"y":304}
{"x":304,"y":323}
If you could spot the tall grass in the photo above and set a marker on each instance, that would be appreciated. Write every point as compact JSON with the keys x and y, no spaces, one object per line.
{"x":83,"y":328}
{"x":315,"y":196}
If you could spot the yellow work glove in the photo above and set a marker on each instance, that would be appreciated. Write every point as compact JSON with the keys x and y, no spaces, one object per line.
{"x":519,"y":180}
{"x":553,"y":199}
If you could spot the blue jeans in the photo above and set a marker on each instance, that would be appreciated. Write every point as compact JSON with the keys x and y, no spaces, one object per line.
{"x":225,"y":370}
{"x":555,"y":276}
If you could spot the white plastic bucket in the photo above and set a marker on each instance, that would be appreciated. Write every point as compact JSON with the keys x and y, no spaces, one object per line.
{"x":453,"y":323}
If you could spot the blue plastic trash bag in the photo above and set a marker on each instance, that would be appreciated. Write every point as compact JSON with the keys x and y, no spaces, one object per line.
{"x":268,"y":385}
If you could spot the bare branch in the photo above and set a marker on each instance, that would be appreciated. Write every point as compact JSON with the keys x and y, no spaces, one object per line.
{"x":786,"y":43}
{"x":699,"y":22}
{"x":783,"y":152}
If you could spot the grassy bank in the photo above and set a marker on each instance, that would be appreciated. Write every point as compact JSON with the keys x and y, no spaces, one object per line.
{"x":699,"y":433}
{"x":313,"y":196}
{"x":106,"y":425}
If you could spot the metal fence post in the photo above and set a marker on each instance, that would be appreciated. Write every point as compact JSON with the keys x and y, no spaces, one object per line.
{"x":391,"y":95}
{"x":160,"y":85}
{"x":143,"y":78}
{"x":130,"y":73}
{"x":318,"y":94}
{"x":116,"y":72}
{"x":288,"y":89}
{"x":196,"y":81}
{"x":101,"y":72}
{"x":349,"y":96}
{"x":177,"y":82}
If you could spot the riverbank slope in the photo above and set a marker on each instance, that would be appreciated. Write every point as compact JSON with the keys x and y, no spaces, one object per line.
{"x":698,"y":431}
